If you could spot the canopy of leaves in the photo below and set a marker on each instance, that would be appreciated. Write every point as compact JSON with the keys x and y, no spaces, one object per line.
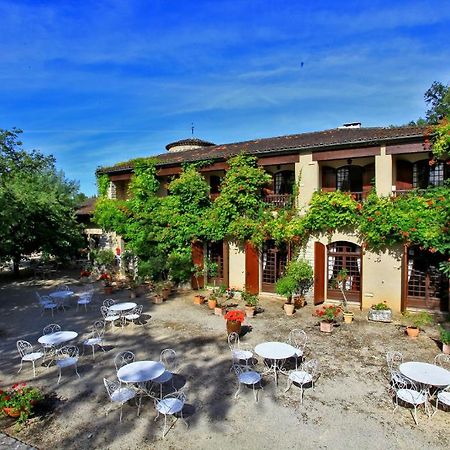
{"x":437,"y":98}
{"x":37,"y":204}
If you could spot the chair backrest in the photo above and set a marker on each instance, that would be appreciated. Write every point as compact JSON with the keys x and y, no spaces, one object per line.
{"x":169,"y":358}
{"x":179,"y":395}
{"x":442,"y":360}
{"x":98,"y":328}
{"x":233,"y":341}
{"x":68,"y":351}
{"x":238,"y":369}
{"x":87,"y":295}
{"x":24,"y":347}
{"x":108,"y":302}
{"x":297,"y":338}
{"x":393,"y":360}
{"x":111,"y":386}
{"x":52,"y":328}
{"x":399,"y":381}
{"x":123,"y":358}
{"x":106,"y":312}
{"x":63,"y":287}
{"x":46,"y":299}
{"x":138,"y":310}
{"x":311,"y":366}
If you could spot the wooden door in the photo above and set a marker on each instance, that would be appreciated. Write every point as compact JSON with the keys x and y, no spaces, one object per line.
{"x":198,"y":260}
{"x":404,"y":179}
{"x":251,"y":269}
{"x":319,"y":273}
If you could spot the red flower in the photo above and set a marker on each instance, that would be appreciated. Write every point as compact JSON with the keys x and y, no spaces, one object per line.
{"x":235,"y":315}
{"x":15,"y":385}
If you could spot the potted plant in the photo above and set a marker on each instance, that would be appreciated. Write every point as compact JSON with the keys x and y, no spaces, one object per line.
{"x":415,"y":321}
{"x":298,"y":278}
{"x":106,"y":279}
{"x":445,"y":339}
{"x":250,"y":303}
{"x":327,"y":316}
{"x":198,"y":272}
{"x":219,"y":309}
{"x":380,"y":313}
{"x":341,"y":282}
{"x":18,"y":401}
{"x":212,"y":299}
{"x":234,"y":320}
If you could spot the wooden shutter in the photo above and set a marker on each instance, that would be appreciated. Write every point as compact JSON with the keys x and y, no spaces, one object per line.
{"x":251,"y":269}
{"x":226,"y":265}
{"x":368,"y":176}
{"x":328,"y":179}
{"x":197,"y":259}
{"x":319,"y":273}
{"x":404,"y":175}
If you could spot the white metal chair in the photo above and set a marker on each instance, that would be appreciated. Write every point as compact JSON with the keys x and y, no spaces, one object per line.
{"x":245,"y":375}
{"x":304,"y":376}
{"x":443,"y":396}
{"x":119,"y":394}
{"x":109,"y":316}
{"x":393,"y":360}
{"x":84,"y":299}
{"x":442,"y":360}
{"x":26,"y":353}
{"x":408,"y":391}
{"x":123,"y":358}
{"x":108,"y":302}
{"x":96,"y":337}
{"x":52,"y":328}
{"x":169,"y":358}
{"x":297,"y":338}
{"x":67,"y":357}
{"x":171,"y":404}
{"x":134,"y":314}
{"x":237,"y":353}
{"x":46,"y":303}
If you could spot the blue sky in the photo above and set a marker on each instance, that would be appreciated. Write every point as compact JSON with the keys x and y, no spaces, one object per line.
{"x":98,"y":82}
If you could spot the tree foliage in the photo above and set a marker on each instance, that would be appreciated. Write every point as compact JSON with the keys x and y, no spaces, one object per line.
{"x":437,"y":97}
{"x":37,"y":203}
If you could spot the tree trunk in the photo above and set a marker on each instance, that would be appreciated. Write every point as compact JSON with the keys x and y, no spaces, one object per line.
{"x":16,"y":262}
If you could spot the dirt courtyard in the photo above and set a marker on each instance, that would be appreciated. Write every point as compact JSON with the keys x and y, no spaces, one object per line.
{"x":349,"y":408}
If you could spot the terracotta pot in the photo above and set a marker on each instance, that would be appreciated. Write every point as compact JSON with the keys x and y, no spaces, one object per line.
{"x":348,"y":317}
{"x":157,"y":299}
{"x":233,"y":326}
{"x":289,"y":308}
{"x":199,"y":299}
{"x":250,"y":311}
{"x":219,"y":311}
{"x":299,"y":301}
{"x":11,"y":412}
{"x":165,"y":293}
{"x":326,"y":327}
{"x":446,"y":349}
{"x":212,"y":303}
{"x":412,"y":331}
{"x":108,"y":290}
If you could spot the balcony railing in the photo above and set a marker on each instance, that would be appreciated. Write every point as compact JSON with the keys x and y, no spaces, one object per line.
{"x":399,"y":192}
{"x":358,"y":196}
{"x":278,"y":200}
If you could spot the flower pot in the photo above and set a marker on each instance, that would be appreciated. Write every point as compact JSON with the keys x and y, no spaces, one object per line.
{"x":412,"y":331}
{"x":380,"y":315}
{"x":446,"y":349}
{"x":289,"y":308}
{"x":11,"y":412}
{"x":219,"y":310}
{"x":157,"y":299}
{"x":212,"y":303}
{"x":165,"y":293}
{"x":249,"y":311}
{"x":234,"y":326}
{"x":326,"y":327}
{"x":348,"y":317}
{"x":299,"y":301}
{"x":108,"y":290}
{"x":199,"y":299}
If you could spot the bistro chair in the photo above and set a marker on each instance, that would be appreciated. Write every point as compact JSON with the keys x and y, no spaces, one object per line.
{"x":134,"y":314}
{"x":119,"y":394}
{"x":123,"y":358}
{"x":170,"y":405}
{"x":237,"y":353}
{"x":442,"y":360}
{"x":52,"y":328}
{"x":46,"y":303}
{"x":96,"y":337}
{"x":304,"y":376}
{"x":109,"y":316}
{"x":245,"y":375}
{"x":108,"y":302}
{"x":393,"y":360}
{"x":67,"y":357}
{"x":26,"y":353}
{"x":84,"y":299}
{"x":443,"y":396}
{"x":297,"y":338}
{"x":169,"y":359}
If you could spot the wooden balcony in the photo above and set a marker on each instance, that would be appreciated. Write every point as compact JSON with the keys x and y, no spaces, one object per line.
{"x":279,"y":200}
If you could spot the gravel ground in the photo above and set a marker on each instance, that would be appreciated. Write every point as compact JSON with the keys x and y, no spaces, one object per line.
{"x":350,"y":407}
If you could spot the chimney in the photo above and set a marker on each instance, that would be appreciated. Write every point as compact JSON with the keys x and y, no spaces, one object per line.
{"x":351,"y":125}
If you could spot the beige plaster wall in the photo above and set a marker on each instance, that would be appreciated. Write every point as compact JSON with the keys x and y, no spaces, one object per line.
{"x":307,"y":171}
{"x":383,"y":173}
{"x":236,"y":266}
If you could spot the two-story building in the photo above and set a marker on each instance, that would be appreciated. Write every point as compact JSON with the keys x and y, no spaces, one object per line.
{"x":349,"y":158}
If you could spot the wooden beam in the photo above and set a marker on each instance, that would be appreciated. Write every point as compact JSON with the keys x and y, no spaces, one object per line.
{"x":346,"y":153}
{"x":278,"y":160}
{"x":121,"y":177}
{"x":405,"y":148}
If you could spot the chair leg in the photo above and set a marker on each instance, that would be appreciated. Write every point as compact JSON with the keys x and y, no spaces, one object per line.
{"x":59,"y":378}
{"x":34,"y":370}
{"x":301,"y":394}
{"x":20,"y":368}
{"x":255,"y":393}
{"x":165,"y":426}
{"x":93,"y":352}
{"x":76,"y":371}
{"x":120,"y":417}
{"x":238,"y":391}
{"x":289,"y":384}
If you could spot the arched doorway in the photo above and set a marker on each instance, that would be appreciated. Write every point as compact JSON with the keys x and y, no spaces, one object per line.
{"x":344,"y":257}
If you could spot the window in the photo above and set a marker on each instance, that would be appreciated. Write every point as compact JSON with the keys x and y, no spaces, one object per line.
{"x":425,"y":175}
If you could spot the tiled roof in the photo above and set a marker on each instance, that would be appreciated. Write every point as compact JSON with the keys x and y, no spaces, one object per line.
{"x":190,"y":141}
{"x":314,"y":141}
{"x":87,"y":207}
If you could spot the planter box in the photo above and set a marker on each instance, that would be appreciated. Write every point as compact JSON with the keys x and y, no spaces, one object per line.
{"x":380,"y":315}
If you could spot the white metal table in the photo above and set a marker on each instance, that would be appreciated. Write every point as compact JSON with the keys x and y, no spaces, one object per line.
{"x":120,"y":307}
{"x":276,"y":353}
{"x":140,"y":371}
{"x":425,"y":373}
{"x":61,"y":296}
{"x":57,"y":338}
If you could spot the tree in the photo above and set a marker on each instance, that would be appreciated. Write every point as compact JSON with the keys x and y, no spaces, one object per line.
{"x":437,"y":97}
{"x":36,"y":203}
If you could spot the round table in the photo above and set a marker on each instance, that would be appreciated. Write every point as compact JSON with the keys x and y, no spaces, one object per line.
{"x":60,"y":297}
{"x":125,"y":306}
{"x":426,"y":373}
{"x":275,"y":352}
{"x":57,"y":338}
{"x":140,"y":371}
